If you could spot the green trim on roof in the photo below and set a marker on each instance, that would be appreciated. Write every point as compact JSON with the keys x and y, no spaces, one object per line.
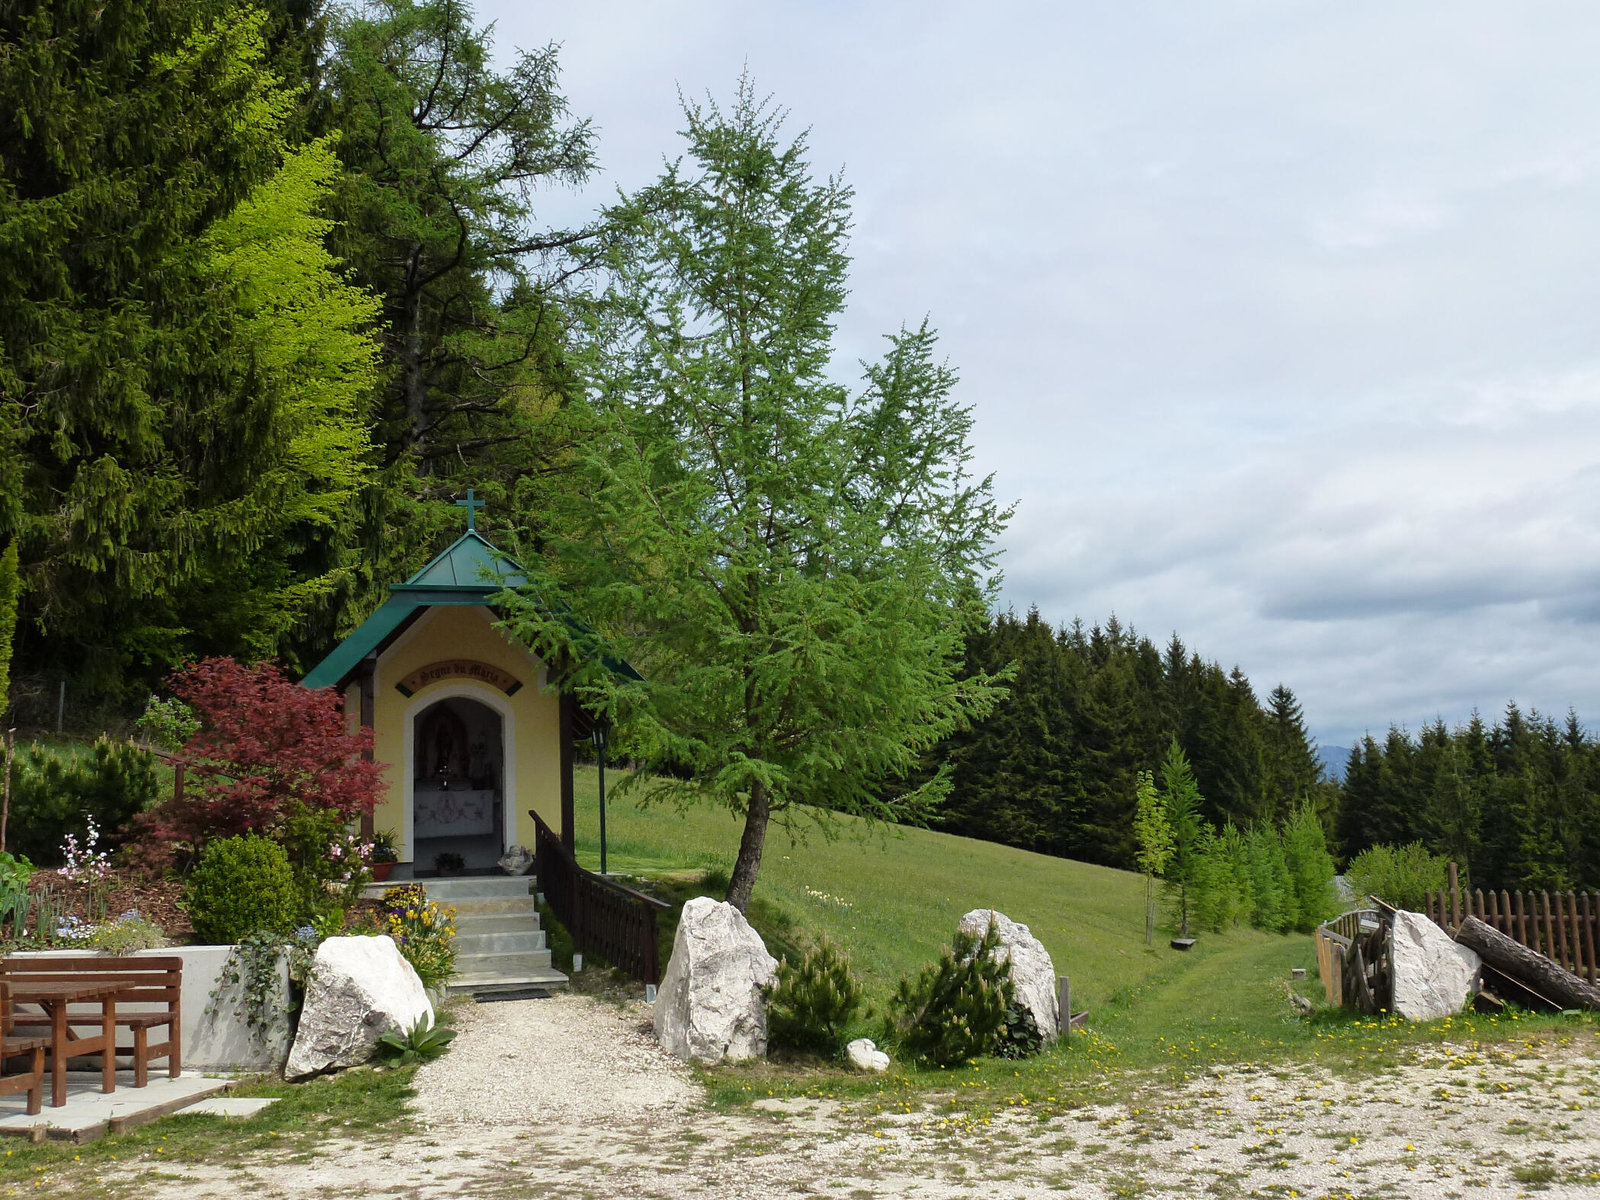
{"x":466,"y":572}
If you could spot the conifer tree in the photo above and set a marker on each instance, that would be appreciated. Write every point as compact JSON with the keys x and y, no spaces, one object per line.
{"x":795,"y":569}
{"x":1181,"y":801}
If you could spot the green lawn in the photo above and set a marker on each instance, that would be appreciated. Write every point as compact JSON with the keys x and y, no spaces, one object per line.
{"x":891,"y":896}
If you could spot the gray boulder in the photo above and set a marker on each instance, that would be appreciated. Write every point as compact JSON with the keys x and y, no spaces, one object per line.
{"x":710,"y":1005}
{"x":1433,"y":975}
{"x":360,"y":989}
{"x":1032,"y":971}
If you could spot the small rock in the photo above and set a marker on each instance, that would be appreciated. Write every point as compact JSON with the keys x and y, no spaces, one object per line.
{"x":1032,"y":971}
{"x":710,"y":1004}
{"x":864,"y":1055}
{"x":361,"y":988}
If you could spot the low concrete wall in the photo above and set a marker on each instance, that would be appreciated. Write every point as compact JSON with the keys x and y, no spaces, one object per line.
{"x":215,"y":1036}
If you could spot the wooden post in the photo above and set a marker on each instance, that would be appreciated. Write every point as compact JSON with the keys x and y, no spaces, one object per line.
{"x":569,"y":823}
{"x":1476,"y":909}
{"x":1453,"y":881}
{"x":1064,"y":1004}
{"x":1549,"y":931}
{"x":1493,"y":918}
{"x":1588,"y":935}
{"x":1520,"y":932}
{"x":1505,"y":910}
{"x":1570,"y":907}
{"x":364,"y":676}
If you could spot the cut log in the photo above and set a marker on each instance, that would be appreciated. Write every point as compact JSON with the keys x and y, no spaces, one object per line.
{"x":1519,"y":962}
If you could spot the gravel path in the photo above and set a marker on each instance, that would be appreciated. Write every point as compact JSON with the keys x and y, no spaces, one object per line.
{"x":570,"y":1097}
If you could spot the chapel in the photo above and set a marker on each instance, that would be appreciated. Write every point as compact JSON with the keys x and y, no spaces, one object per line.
{"x":468,"y":724}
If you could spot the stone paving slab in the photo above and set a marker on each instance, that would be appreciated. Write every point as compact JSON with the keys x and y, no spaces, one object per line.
{"x":229,"y":1106}
{"x":89,"y":1112}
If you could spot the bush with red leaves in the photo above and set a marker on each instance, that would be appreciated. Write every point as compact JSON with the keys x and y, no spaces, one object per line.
{"x":265,"y":747}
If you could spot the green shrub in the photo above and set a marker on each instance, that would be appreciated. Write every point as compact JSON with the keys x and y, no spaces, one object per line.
{"x":330,"y":863}
{"x":52,"y":793}
{"x":240,"y":886}
{"x":1400,"y":875}
{"x":168,"y":723}
{"x":812,"y":1001}
{"x":956,"y":1009}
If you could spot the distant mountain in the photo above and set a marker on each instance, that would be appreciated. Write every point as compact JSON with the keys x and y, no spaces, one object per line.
{"x":1334,"y":759}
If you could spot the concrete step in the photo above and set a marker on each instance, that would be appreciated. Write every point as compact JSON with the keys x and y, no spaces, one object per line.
{"x":524,"y":908}
{"x":496,"y":922}
{"x":502,"y":964}
{"x":490,"y":982}
{"x":520,"y":941}
{"x":471,"y":886}
{"x":485,"y":887}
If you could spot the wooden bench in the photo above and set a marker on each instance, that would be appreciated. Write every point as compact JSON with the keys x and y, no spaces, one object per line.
{"x":148,"y":996}
{"x":30,"y":1081}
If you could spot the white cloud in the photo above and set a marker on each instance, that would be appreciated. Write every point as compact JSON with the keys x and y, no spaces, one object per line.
{"x":1280,"y":321}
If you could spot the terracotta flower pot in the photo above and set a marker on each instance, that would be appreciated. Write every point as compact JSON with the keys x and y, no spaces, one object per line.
{"x":382,"y":871}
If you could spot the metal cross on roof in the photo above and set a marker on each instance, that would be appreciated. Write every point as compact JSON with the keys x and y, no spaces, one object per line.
{"x":471,"y":506}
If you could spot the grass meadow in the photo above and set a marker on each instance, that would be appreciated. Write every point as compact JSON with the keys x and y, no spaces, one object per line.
{"x":891,"y":897}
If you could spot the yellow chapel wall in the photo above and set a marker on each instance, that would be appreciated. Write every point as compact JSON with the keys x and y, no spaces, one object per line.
{"x":532,"y":717}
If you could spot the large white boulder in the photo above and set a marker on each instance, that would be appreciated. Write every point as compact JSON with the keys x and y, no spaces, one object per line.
{"x":1433,"y":975}
{"x":360,"y":989}
{"x":710,"y":1005}
{"x":863,"y":1054}
{"x":1032,"y":971}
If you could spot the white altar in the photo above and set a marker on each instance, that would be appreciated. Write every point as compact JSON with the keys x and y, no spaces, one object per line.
{"x":454,"y":812}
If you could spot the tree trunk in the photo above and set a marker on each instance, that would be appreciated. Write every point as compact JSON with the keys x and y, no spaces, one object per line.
{"x":1521,"y":963}
{"x":5,"y":789}
{"x":751,"y":844}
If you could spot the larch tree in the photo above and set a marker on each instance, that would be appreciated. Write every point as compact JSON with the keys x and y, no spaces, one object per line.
{"x":793,"y":566}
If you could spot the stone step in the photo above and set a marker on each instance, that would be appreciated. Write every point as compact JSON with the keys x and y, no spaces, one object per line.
{"x":468,"y":966}
{"x":482,"y":982}
{"x":451,"y":890}
{"x":496,"y":922}
{"x":524,"y":908}
{"x":518,"y":941}
{"x":486,"y":887}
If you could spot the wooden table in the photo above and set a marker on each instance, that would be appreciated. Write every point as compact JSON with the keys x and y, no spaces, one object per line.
{"x":53,"y":999}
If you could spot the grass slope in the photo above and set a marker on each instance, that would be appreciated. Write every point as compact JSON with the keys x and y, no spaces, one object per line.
{"x":891,"y":896}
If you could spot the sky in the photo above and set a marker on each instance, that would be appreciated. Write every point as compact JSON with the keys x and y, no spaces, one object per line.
{"x":1278,"y":322}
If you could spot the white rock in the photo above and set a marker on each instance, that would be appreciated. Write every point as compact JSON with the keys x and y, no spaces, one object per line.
{"x":1032,"y":971}
{"x":361,"y":988}
{"x":710,"y":1005}
{"x":864,"y":1055}
{"x":1433,"y":975}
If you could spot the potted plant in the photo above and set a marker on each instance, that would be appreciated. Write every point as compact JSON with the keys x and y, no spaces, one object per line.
{"x":384,"y":855}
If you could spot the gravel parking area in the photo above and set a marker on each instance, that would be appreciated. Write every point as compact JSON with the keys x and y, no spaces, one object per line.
{"x":570,"y":1097}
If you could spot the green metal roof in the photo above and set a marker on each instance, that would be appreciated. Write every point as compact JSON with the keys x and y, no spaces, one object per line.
{"x":467,"y":572}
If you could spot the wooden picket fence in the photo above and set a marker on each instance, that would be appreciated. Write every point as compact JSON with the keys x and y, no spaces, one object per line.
{"x":1562,"y":927}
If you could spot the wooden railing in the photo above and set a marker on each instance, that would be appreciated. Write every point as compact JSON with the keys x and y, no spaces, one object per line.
{"x":604,"y":918}
{"x":1351,"y":955}
{"x":1564,"y":927}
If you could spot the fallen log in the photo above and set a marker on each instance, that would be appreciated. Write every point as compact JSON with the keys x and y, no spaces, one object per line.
{"x":1519,"y":962}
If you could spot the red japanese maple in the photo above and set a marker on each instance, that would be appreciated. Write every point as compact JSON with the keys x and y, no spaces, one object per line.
{"x":266,"y":745}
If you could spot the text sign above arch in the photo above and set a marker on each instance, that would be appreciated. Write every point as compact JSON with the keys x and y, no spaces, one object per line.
{"x":459,"y":668}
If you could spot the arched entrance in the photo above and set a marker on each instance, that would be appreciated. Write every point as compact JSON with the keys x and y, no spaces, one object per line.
{"x":458,"y":787}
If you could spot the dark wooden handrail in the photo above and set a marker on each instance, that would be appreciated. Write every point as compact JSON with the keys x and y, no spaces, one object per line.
{"x":604,"y":918}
